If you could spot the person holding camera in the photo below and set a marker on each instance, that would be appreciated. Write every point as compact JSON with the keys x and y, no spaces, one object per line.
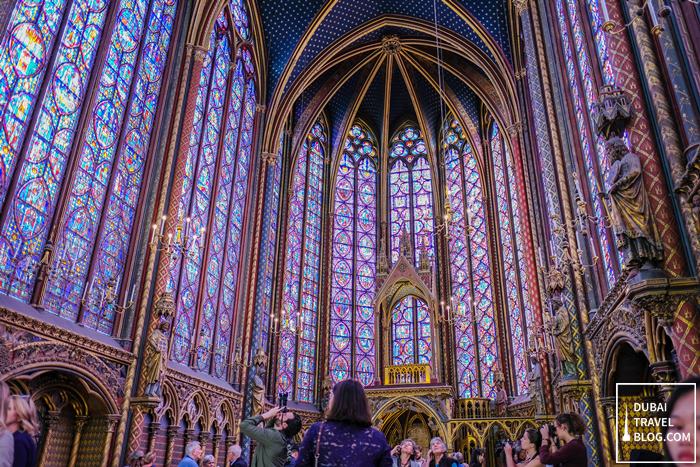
{"x":274,"y":439}
{"x":404,"y":454}
{"x":530,"y":445}
{"x":569,"y":427}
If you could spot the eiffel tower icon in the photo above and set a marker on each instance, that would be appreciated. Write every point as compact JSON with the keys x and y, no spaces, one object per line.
{"x":626,"y":434}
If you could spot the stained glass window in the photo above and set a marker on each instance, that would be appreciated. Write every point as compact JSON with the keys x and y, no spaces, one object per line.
{"x":472,"y":303}
{"x":354,"y":260}
{"x":411,"y":332}
{"x":96,"y":161}
{"x":516,"y":283}
{"x":211,"y":207}
{"x":299,"y":312}
{"x":54,"y":42}
{"x":582,"y":85}
{"x":198,"y":213}
{"x":410,"y":192}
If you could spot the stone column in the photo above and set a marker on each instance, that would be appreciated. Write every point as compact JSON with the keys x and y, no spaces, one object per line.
{"x":216,"y":440}
{"x":152,"y":435}
{"x":112,"y":421}
{"x":80,"y":421}
{"x":170,"y":443}
{"x":50,"y":421}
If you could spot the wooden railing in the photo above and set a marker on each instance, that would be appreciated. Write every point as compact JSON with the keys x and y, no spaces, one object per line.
{"x":407,"y":374}
{"x":474,"y":407}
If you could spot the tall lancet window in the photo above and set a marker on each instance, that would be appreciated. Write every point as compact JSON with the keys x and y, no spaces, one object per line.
{"x":516,"y":283}
{"x":583,"y":95}
{"x":212,"y":204}
{"x":299,"y":315}
{"x":410,"y":192}
{"x":411,"y":341}
{"x":472,"y":293}
{"x":77,"y":189}
{"x":354,"y":259}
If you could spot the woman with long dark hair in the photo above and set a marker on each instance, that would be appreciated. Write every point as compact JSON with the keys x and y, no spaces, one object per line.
{"x":684,"y":430}
{"x":346,"y":438}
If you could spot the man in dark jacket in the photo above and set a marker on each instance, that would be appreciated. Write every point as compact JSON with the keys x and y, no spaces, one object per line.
{"x":233,"y":458}
{"x":273,"y":439}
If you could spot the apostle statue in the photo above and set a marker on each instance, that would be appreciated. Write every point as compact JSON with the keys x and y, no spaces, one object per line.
{"x":154,"y":359}
{"x":631,"y":216}
{"x":563,"y":337}
{"x":259,"y":362}
{"x":501,"y":399}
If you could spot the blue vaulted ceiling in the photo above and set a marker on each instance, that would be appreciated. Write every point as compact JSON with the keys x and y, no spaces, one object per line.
{"x":286,"y":21}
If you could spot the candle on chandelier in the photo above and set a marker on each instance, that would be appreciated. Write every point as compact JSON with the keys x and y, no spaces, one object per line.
{"x":85,"y":292}
{"x":153,"y":233}
{"x":162,"y":225}
{"x":133,"y":292}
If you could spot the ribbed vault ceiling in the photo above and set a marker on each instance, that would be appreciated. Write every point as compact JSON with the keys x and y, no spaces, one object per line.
{"x":378,"y":61}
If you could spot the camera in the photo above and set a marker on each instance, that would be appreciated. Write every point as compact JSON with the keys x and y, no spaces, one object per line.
{"x":283,"y":401}
{"x":552,"y":431}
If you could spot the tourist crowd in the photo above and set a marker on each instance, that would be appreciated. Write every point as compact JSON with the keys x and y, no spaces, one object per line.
{"x":346,"y":438}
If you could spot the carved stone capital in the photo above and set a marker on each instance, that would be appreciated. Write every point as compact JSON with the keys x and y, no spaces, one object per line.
{"x":172,"y":430}
{"x":260,"y":108}
{"x":80,"y":422}
{"x":269,"y":158}
{"x":199,"y":53}
{"x":664,"y":373}
{"x":608,"y":404}
{"x":515,"y":129}
{"x":53,"y":417}
{"x":112,"y":421}
{"x":521,"y":6}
